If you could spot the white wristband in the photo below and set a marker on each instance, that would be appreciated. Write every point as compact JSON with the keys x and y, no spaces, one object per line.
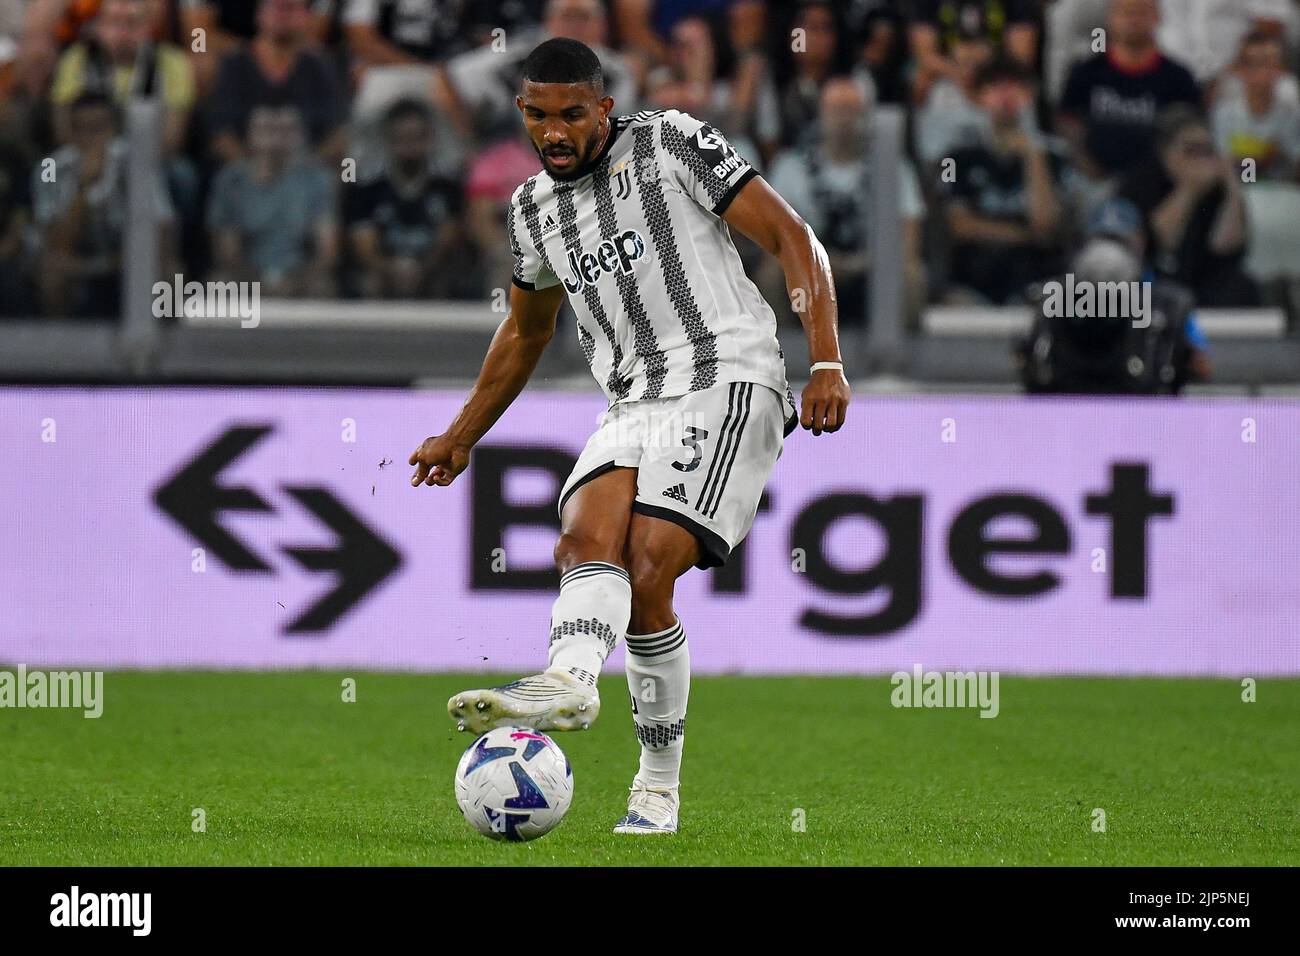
{"x":839,"y":366}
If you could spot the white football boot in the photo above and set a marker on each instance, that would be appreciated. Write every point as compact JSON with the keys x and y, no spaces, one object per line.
{"x":650,"y":811}
{"x":558,"y":699}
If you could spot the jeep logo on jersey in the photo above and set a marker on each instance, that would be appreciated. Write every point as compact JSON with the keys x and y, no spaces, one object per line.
{"x":617,"y":253}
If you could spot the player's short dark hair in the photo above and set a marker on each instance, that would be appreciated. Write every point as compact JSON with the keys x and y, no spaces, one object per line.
{"x":1003,"y":68}
{"x":407,"y":108}
{"x":561,"y":60}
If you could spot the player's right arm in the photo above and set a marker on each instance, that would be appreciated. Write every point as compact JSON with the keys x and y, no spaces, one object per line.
{"x":513,"y":355}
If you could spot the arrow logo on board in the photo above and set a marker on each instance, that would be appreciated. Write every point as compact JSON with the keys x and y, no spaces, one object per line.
{"x":361,"y":560}
{"x":194,"y":498}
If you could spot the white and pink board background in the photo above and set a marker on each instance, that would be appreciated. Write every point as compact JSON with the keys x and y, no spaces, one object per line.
{"x":94,"y":572}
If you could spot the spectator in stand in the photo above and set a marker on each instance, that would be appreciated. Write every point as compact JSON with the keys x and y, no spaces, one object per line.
{"x":404,"y":233}
{"x":1262,"y":125}
{"x":951,"y":117}
{"x":811,"y":56}
{"x":480,"y":19}
{"x":1193,"y":212}
{"x":277,"y":69}
{"x":1071,"y":31}
{"x":1002,"y":207}
{"x":15,"y":216}
{"x":1108,"y":111}
{"x":880,"y":35}
{"x":645,"y":25}
{"x":1207,"y":33}
{"x":399,"y":50}
{"x":1010,"y":26}
{"x":828,"y":182}
{"x":228,"y":25}
{"x":486,"y":81}
{"x":118,"y":58}
{"x":493,"y":175}
{"x":271,"y":213}
{"x":13,"y":13}
{"x":745,"y":113}
{"x":80,"y":213}
{"x":50,"y":26}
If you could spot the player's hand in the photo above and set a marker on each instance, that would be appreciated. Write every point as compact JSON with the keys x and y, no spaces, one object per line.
{"x":825,"y":401}
{"x":438,"y":461}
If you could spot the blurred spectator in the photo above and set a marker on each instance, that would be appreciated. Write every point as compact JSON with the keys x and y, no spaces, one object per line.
{"x":1110,"y":353}
{"x":15,"y":215}
{"x":12,"y":16}
{"x":828,"y":182}
{"x":399,"y":50}
{"x":1109,"y":108}
{"x":50,"y":26}
{"x":397,"y":33}
{"x":814,"y":49}
{"x":1003,"y":209}
{"x":492,"y":178}
{"x":1069,"y":36}
{"x":1194,"y":216}
{"x":746,"y":113}
{"x":879,"y":31}
{"x":404,"y":234}
{"x":271,"y":213}
{"x":80,"y":209}
{"x":1008,"y":25}
{"x":1261,"y":125}
{"x":486,"y":81}
{"x":1207,"y":33}
{"x":277,"y":69}
{"x":482,"y":18}
{"x":119,"y":59}
{"x":950,"y":117}
{"x":644,"y":25}
{"x":228,"y":25}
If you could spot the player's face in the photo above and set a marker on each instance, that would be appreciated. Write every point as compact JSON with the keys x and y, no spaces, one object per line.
{"x":567,"y":123}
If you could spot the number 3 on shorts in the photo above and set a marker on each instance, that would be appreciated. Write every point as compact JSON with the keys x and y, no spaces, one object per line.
{"x":692,"y":440}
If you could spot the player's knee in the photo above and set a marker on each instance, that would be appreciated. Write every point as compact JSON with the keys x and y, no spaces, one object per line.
{"x":574,"y":547}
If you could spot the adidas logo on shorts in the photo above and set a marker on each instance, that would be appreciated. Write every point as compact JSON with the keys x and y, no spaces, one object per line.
{"x":676,"y":492}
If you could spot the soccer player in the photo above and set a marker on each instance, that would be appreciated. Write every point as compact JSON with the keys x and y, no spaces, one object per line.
{"x":630,"y":218}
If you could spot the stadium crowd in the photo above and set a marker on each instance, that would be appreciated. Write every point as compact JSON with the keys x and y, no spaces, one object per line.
{"x":368,"y":148}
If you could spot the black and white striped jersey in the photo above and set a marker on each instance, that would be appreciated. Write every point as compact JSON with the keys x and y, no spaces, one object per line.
{"x":662,"y":300}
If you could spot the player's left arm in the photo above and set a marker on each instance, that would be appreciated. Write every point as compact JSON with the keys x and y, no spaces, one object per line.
{"x":760,"y":213}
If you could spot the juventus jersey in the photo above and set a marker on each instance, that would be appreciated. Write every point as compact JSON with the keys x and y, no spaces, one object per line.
{"x":663,"y":304}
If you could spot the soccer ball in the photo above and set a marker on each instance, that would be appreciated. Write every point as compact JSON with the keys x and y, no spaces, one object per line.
{"x":514,"y":783}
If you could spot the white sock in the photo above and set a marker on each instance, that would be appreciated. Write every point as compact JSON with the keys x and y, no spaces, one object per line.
{"x":589,"y":617}
{"x":659,"y":679}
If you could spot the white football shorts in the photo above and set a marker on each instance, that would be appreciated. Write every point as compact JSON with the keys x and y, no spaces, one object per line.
{"x":702,"y":459}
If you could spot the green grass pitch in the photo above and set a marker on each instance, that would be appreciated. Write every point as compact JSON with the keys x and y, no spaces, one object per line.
{"x":287,"y":773}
